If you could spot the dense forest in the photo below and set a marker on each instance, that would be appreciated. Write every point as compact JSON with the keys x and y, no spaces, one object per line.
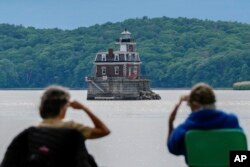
{"x":175,"y":52}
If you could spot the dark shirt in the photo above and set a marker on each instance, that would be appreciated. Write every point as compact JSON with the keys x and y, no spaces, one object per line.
{"x":48,"y":147}
{"x":203,"y":120}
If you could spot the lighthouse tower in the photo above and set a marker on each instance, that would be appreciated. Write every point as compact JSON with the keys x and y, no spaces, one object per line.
{"x":122,"y":63}
{"x":126,"y":43}
{"x":131,"y":68}
{"x":118,"y":73}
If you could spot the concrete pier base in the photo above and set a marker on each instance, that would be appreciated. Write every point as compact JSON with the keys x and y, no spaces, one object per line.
{"x":119,"y":89}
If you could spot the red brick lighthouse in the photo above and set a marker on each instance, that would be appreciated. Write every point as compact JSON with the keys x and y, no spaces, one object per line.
{"x":118,"y":74}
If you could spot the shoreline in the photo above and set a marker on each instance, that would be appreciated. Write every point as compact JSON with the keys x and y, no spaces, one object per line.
{"x":7,"y":89}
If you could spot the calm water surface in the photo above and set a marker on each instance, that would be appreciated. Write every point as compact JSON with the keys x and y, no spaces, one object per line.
{"x":138,"y":127}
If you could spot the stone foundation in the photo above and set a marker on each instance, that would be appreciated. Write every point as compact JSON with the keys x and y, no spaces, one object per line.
{"x":120,"y":89}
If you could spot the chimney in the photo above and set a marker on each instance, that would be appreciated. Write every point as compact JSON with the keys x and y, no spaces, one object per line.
{"x":110,"y":51}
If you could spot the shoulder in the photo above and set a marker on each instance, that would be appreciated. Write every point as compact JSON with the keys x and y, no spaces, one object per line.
{"x":23,"y":134}
{"x":231,"y":120}
{"x":229,"y":115}
{"x":85,"y":130}
{"x":71,"y":124}
{"x":20,"y":140}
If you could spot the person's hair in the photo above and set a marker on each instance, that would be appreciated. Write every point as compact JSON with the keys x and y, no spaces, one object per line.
{"x":52,"y":100}
{"x":203,"y":94}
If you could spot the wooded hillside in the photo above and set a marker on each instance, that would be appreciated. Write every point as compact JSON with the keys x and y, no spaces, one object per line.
{"x":175,"y":52}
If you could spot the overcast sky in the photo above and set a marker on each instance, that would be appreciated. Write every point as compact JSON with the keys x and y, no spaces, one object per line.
{"x":70,"y":14}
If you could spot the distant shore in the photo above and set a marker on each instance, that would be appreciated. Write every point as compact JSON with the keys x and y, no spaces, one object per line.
{"x":230,"y":88}
{"x":36,"y":89}
{"x":245,"y":85}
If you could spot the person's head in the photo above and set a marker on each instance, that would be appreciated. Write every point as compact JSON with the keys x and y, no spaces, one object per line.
{"x":54,"y":102}
{"x":201,"y":96}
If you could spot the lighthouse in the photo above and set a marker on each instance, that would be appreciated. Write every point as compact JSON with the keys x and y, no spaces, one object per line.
{"x":118,"y":74}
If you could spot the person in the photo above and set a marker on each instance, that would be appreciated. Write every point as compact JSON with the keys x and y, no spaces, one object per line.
{"x":54,"y":103}
{"x":55,"y":141}
{"x":204,"y":116}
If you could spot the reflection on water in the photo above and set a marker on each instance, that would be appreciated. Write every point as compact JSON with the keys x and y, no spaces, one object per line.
{"x":138,"y":127}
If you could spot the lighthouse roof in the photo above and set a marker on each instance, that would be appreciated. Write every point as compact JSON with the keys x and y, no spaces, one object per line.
{"x":125,"y":32}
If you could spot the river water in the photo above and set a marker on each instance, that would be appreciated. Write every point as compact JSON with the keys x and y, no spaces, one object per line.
{"x":139,"y":128}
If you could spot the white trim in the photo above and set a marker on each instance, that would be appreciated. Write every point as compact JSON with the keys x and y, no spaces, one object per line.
{"x":96,"y":57}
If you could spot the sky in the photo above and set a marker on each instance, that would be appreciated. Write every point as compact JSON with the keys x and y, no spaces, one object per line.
{"x":71,"y":14}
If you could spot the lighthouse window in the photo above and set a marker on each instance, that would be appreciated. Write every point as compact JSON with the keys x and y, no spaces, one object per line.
{"x":103,"y":70}
{"x":133,"y":57}
{"x":116,"y":70}
{"x":103,"y":57}
{"x":122,"y":57}
{"x":116,"y":57}
{"x":126,"y":58}
{"x":98,"y":57}
{"x":129,"y":57}
{"x":130,"y":48}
